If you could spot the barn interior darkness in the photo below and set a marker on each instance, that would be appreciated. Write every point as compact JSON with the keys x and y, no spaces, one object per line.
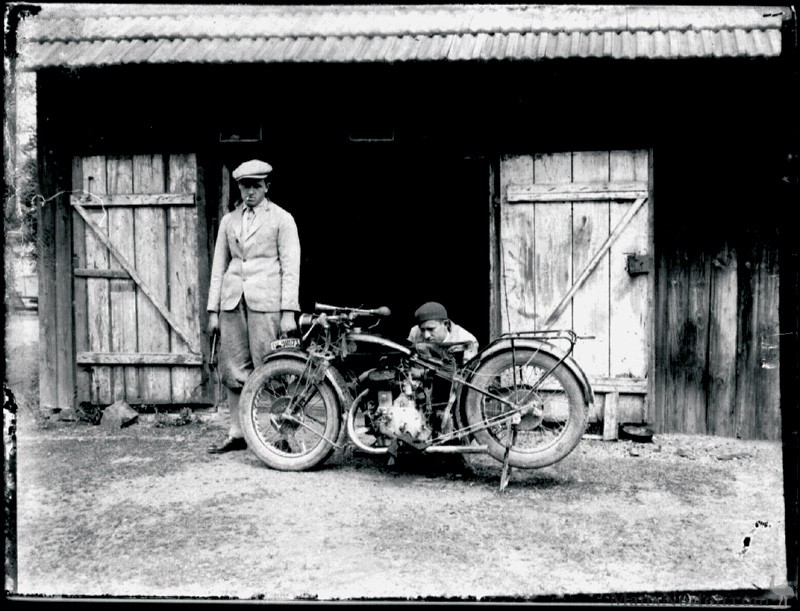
{"x":387,"y":167}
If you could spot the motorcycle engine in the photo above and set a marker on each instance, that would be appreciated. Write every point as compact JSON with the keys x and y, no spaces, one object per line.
{"x":401,"y":406}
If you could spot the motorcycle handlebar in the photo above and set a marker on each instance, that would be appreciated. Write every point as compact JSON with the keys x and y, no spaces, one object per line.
{"x":382,"y":311}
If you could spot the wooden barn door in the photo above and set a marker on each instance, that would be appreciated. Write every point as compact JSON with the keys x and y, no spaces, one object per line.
{"x":575,"y":252}
{"x":136,"y":280}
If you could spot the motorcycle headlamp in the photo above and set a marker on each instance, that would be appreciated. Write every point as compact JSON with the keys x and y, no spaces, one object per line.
{"x":305,"y":322}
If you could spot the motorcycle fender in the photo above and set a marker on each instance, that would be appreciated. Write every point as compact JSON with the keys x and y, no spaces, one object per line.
{"x":546,"y":348}
{"x":332,"y":375}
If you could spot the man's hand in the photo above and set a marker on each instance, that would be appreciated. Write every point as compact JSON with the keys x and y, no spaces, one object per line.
{"x":288,"y":324}
{"x":213,"y":323}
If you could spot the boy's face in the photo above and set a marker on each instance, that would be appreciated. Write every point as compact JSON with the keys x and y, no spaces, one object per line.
{"x":433,"y":330}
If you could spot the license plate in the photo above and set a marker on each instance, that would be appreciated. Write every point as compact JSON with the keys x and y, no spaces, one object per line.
{"x":289,"y":342}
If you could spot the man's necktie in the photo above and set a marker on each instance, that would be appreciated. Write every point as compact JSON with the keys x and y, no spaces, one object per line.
{"x":247,"y":218}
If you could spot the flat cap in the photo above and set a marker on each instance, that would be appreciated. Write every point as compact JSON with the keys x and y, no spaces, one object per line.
{"x":430,"y":311}
{"x":255,"y":168}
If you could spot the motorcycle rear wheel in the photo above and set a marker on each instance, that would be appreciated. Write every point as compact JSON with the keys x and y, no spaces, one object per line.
{"x":547,"y":433}
{"x":293,"y":440}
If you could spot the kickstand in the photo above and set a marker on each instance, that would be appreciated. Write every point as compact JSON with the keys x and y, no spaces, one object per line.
{"x":392,"y":451}
{"x":505,"y":474}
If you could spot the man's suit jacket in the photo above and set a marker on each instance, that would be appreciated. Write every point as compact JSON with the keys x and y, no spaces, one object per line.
{"x":264,"y":265}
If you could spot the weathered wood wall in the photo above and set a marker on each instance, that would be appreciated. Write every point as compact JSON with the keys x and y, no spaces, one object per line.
{"x":717,"y":319}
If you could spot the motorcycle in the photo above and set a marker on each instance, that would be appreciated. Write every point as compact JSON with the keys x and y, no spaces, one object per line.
{"x":522,"y":399}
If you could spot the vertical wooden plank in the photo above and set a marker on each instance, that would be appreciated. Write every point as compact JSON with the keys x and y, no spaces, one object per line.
{"x":495,"y":276}
{"x":644,"y":170}
{"x":122,"y":292}
{"x":722,"y":344}
{"x":184,"y":300}
{"x":517,"y":247}
{"x":46,"y":250}
{"x":685,"y":341}
{"x":768,"y":412}
{"x":98,"y":313}
{"x":65,"y":354}
{"x":747,"y":340}
{"x":80,"y":320}
{"x":629,"y":295}
{"x":151,"y":262}
{"x":673,"y":297}
{"x":553,"y":242}
{"x":204,"y":254}
{"x":590,"y":229}
{"x":695,"y":340}
{"x":757,"y":392}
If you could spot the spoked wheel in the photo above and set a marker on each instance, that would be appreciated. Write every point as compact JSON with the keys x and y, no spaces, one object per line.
{"x":288,"y":420}
{"x":553,"y":417}
{"x":362,"y":430}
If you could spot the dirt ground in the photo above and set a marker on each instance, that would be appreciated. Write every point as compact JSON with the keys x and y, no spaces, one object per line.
{"x":144,"y":511}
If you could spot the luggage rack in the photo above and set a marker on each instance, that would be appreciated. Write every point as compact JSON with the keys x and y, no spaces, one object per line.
{"x":554,"y":335}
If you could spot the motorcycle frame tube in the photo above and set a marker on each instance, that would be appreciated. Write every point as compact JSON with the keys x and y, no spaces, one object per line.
{"x":368,"y":338}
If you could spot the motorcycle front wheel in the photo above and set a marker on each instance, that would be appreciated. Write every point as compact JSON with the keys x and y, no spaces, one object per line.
{"x":289,"y":420}
{"x":554,"y":416}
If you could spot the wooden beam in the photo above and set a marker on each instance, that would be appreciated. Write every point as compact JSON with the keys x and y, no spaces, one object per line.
{"x":138,"y":280}
{"x":87,"y":272}
{"x":594,"y":262}
{"x":573,"y":192}
{"x":610,"y":416}
{"x":625,"y":386}
{"x":133,"y":199}
{"x":138,"y":358}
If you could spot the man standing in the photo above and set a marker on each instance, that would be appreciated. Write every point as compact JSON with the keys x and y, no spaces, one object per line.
{"x":253,"y":293}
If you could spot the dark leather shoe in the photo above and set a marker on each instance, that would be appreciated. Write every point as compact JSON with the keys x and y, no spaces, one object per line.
{"x":230,"y":444}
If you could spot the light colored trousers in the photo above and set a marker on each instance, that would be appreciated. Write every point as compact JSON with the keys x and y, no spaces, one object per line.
{"x":245,"y":338}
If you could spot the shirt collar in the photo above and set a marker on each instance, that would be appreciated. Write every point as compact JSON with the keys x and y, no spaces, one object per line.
{"x":262,"y":205}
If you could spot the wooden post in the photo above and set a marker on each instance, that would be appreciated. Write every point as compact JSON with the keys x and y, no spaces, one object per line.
{"x":46,"y":249}
{"x":610,"y":417}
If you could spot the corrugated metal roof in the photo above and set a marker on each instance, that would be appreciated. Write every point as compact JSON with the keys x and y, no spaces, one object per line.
{"x":95,"y":34}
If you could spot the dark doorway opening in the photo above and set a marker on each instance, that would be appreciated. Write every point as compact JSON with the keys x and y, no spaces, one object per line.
{"x":391,"y":202}
{"x":383,"y":224}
